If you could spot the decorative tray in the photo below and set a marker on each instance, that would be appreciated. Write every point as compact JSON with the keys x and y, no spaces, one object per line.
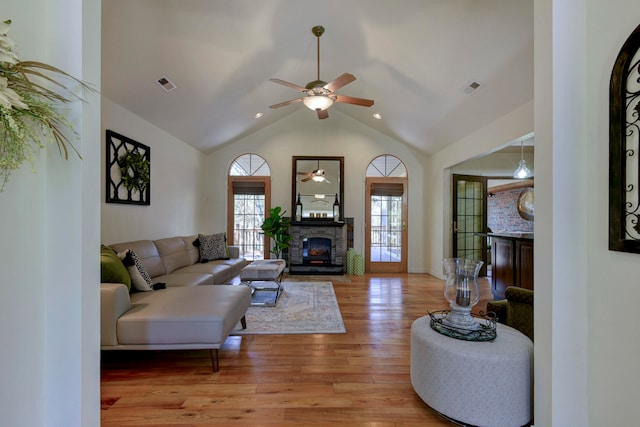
{"x":486,"y":331}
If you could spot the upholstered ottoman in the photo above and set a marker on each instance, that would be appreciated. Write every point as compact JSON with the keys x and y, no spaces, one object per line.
{"x":264,"y":270}
{"x":478,"y":383}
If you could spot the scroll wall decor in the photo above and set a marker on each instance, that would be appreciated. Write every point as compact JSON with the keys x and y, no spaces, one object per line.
{"x":624,"y":148}
{"x":128,"y":170}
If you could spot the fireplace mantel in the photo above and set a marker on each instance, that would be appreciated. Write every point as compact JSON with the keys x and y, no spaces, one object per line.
{"x":317,"y":223}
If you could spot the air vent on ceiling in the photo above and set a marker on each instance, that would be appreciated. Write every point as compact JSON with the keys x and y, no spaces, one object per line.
{"x":471,"y":87}
{"x":166,"y":84}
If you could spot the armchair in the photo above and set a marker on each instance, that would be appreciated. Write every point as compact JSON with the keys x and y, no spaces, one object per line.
{"x":516,"y":310}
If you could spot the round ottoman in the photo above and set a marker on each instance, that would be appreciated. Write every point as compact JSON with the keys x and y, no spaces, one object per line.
{"x":486,"y":384}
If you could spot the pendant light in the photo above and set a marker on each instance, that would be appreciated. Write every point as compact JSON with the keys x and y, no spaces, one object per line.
{"x":523,"y":171}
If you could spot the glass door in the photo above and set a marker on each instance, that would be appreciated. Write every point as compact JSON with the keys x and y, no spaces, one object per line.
{"x":470,"y":218}
{"x":386,"y":227}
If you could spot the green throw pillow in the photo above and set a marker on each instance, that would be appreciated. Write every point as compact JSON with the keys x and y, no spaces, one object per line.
{"x":112,"y":270}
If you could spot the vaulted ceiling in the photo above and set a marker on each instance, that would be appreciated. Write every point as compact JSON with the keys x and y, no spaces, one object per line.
{"x":415,"y":58}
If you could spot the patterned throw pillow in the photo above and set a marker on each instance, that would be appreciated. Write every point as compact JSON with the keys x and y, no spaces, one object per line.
{"x":140,"y":279}
{"x":212,"y":247}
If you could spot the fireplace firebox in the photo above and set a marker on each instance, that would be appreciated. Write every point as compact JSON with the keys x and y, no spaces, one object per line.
{"x":316,"y":250}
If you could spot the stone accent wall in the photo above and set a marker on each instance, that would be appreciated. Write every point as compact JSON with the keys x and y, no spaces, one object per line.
{"x":336,"y":233}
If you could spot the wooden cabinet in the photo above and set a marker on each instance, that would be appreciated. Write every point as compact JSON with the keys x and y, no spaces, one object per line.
{"x":512,"y":259}
{"x":502,"y":268}
{"x":524,"y":264}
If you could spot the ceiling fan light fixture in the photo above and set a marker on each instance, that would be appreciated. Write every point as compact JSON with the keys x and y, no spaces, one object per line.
{"x":318,"y":178}
{"x":317,"y":102}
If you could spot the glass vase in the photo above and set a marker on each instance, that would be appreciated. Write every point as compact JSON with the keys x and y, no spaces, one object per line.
{"x":462,"y":291}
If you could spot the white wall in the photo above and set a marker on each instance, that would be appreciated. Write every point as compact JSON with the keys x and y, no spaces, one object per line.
{"x":179,"y":204}
{"x":613,"y":277}
{"x":495,"y":164}
{"x":49,"y":324}
{"x":437,"y":183}
{"x":301,"y":133}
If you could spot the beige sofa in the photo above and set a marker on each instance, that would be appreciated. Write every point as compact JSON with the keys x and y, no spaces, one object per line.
{"x":197,"y":310}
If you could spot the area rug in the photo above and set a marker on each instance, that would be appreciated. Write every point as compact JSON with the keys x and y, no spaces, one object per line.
{"x":303,"y":308}
{"x":319,"y":278}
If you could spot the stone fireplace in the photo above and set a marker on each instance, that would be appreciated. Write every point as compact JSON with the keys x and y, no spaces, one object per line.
{"x":317,"y":247}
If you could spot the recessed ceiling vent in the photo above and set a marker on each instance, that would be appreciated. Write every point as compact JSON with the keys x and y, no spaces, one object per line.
{"x":166,"y":84}
{"x":471,"y":87}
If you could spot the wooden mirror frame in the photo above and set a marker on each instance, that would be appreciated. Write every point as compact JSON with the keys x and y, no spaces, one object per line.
{"x":295,"y":189}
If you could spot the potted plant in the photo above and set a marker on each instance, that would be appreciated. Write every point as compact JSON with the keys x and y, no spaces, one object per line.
{"x":31,"y":108}
{"x":276,"y":227}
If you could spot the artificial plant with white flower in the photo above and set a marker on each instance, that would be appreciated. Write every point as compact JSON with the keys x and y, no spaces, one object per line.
{"x":30,"y":114}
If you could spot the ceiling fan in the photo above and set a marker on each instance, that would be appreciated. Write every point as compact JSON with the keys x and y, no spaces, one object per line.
{"x":320,"y":95}
{"x":318,"y":175}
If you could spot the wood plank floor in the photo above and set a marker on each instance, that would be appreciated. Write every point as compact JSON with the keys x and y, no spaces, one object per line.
{"x":360,"y":378}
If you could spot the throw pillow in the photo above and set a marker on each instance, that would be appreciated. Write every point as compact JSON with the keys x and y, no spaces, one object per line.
{"x":212,"y":247}
{"x":140,"y":279}
{"x":112,"y":270}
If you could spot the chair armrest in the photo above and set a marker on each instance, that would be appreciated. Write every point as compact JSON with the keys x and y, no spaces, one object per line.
{"x":114,"y":302}
{"x":520,"y":310}
{"x":513,"y":293}
{"x":234,"y":251}
{"x":499,"y":307}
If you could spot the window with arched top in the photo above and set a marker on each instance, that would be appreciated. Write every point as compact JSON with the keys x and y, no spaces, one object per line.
{"x":387,"y":213}
{"x":250,"y":165}
{"x":249,"y":198}
{"x":387,"y":166}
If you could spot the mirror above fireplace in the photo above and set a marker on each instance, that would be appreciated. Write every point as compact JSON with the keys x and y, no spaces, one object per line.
{"x":317,"y":180}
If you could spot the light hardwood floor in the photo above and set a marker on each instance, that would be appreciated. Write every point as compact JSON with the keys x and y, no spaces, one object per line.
{"x":360,"y":378}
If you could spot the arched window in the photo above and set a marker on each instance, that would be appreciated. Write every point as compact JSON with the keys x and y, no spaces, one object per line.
{"x":248,"y":200}
{"x":387,"y":166}
{"x":386,"y":211}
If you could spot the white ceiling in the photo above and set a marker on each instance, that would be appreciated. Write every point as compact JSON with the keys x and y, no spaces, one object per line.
{"x":413,"y":57}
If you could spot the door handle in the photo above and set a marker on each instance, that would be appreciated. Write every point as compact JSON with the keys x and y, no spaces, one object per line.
{"x":404,"y":225}
{"x":455,"y":227}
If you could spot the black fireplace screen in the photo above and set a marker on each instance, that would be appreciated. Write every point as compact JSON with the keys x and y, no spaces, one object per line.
{"x":316,"y":250}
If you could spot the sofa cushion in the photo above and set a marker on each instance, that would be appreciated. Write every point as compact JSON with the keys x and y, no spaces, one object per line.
{"x":179,"y":278}
{"x":147,"y":253}
{"x":187,"y":315}
{"x":212,"y":247}
{"x":193,"y":253}
{"x":140,"y":279}
{"x":221,"y":273}
{"x":236,"y":265}
{"x":112,"y":270}
{"x":173,"y":252}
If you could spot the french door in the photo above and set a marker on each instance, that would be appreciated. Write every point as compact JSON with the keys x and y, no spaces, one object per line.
{"x":386,"y":225}
{"x":470,"y":218}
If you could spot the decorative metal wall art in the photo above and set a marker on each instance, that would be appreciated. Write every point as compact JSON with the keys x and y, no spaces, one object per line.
{"x":624,"y":148}
{"x":128,"y":170}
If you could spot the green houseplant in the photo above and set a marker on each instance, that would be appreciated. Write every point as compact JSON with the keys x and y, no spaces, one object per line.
{"x":276,"y":227}
{"x":31,"y":113}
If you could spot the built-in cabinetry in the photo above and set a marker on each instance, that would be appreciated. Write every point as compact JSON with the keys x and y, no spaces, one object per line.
{"x":512,"y":262}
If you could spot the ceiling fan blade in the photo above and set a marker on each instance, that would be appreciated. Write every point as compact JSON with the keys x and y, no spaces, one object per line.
{"x":322,"y":114}
{"x":282,"y":104}
{"x":291,"y":85}
{"x":355,"y":101}
{"x":339,"y":82}
{"x":306,"y":179}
